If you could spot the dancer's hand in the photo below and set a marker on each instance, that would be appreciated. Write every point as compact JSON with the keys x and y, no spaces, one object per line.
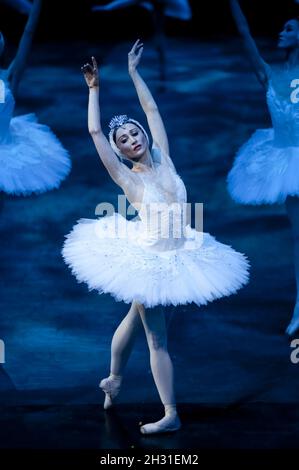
{"x":134,"y":56}
{"x":91,"y":74}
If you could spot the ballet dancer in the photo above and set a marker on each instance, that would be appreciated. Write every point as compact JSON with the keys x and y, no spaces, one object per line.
{"x":141,"y":262}
{"x":32,"y":160}
{"x":266,"y":168}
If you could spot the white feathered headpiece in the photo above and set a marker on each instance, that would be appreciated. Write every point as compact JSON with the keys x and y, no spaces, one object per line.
{"x":115,"y":123}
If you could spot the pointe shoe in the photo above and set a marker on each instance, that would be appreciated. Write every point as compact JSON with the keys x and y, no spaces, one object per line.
{"x":111,"y":387}
{"x":167,"y":424}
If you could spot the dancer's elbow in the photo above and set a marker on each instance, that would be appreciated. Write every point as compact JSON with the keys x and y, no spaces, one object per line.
{"x":95,"y":131}
{"x":151,"y":107}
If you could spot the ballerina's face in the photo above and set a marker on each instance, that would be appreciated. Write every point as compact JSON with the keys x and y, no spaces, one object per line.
{"x":131,"y":141}
{"x":1,"y":44}
{"x":289,"y":36}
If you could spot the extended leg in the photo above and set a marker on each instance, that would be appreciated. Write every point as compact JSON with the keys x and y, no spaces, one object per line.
{"x":292,"y":205}
{"x":121,"y":347}
{"x":156,"y":334}
{"x":123,"y":340}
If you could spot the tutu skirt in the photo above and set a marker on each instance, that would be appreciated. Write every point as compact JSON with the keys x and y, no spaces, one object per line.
{"x":201,"y":270}
{"x":32,"y":159}
{"x":264,"y":173}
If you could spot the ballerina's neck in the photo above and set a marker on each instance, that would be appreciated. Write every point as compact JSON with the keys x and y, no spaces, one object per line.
{"x":145,"y":169}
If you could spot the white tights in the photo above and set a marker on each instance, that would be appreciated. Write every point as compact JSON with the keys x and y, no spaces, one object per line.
{"x":153,"y":321}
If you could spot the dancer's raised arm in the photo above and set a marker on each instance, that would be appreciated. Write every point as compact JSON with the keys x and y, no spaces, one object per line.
{"x":261,"y":68}
{"x":119,"y":172}
{"x":148,"y":103}
{"x":17,"y":67}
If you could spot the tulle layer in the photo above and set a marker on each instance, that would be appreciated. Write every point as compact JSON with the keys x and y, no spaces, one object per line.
{"x":33,"y":160}
{"x":202,"y":270}
{"x":264,"y":173}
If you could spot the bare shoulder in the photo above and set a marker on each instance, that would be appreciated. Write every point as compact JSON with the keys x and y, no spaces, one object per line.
{"x":161,"y":157}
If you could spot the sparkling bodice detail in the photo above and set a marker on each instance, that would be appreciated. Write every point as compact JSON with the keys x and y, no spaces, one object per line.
{"x":285,"y":118}
{"x":6,"y":112}
{"x":163,"y":209}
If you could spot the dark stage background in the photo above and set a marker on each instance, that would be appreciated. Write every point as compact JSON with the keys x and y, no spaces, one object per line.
{"x":68,"y":20}
{"x":236,"y":386}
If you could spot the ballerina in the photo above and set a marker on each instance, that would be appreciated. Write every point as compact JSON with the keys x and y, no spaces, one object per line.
{"x":266,"y":168}
{"x":140,"y":262}
{"x":179,"y":9}
{"x":32,"y":159}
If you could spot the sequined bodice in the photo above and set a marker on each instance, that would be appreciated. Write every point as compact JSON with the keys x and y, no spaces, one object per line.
{"x":163,"y":209}
{"x":285,"y":118}
{"x":6,"y":111}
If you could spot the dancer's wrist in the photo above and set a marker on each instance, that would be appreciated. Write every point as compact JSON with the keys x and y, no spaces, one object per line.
{"x":132,"y":71}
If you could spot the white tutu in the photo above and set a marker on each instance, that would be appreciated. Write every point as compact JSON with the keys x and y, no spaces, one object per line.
{"x":266,"y":168}
{"x":200,"y":271}
{"x":264,"y":173}
{"x":32,"y":159}
{"x":123,"y":258}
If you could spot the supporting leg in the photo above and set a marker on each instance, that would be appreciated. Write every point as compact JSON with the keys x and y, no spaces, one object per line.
{"x":156,"y":334}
